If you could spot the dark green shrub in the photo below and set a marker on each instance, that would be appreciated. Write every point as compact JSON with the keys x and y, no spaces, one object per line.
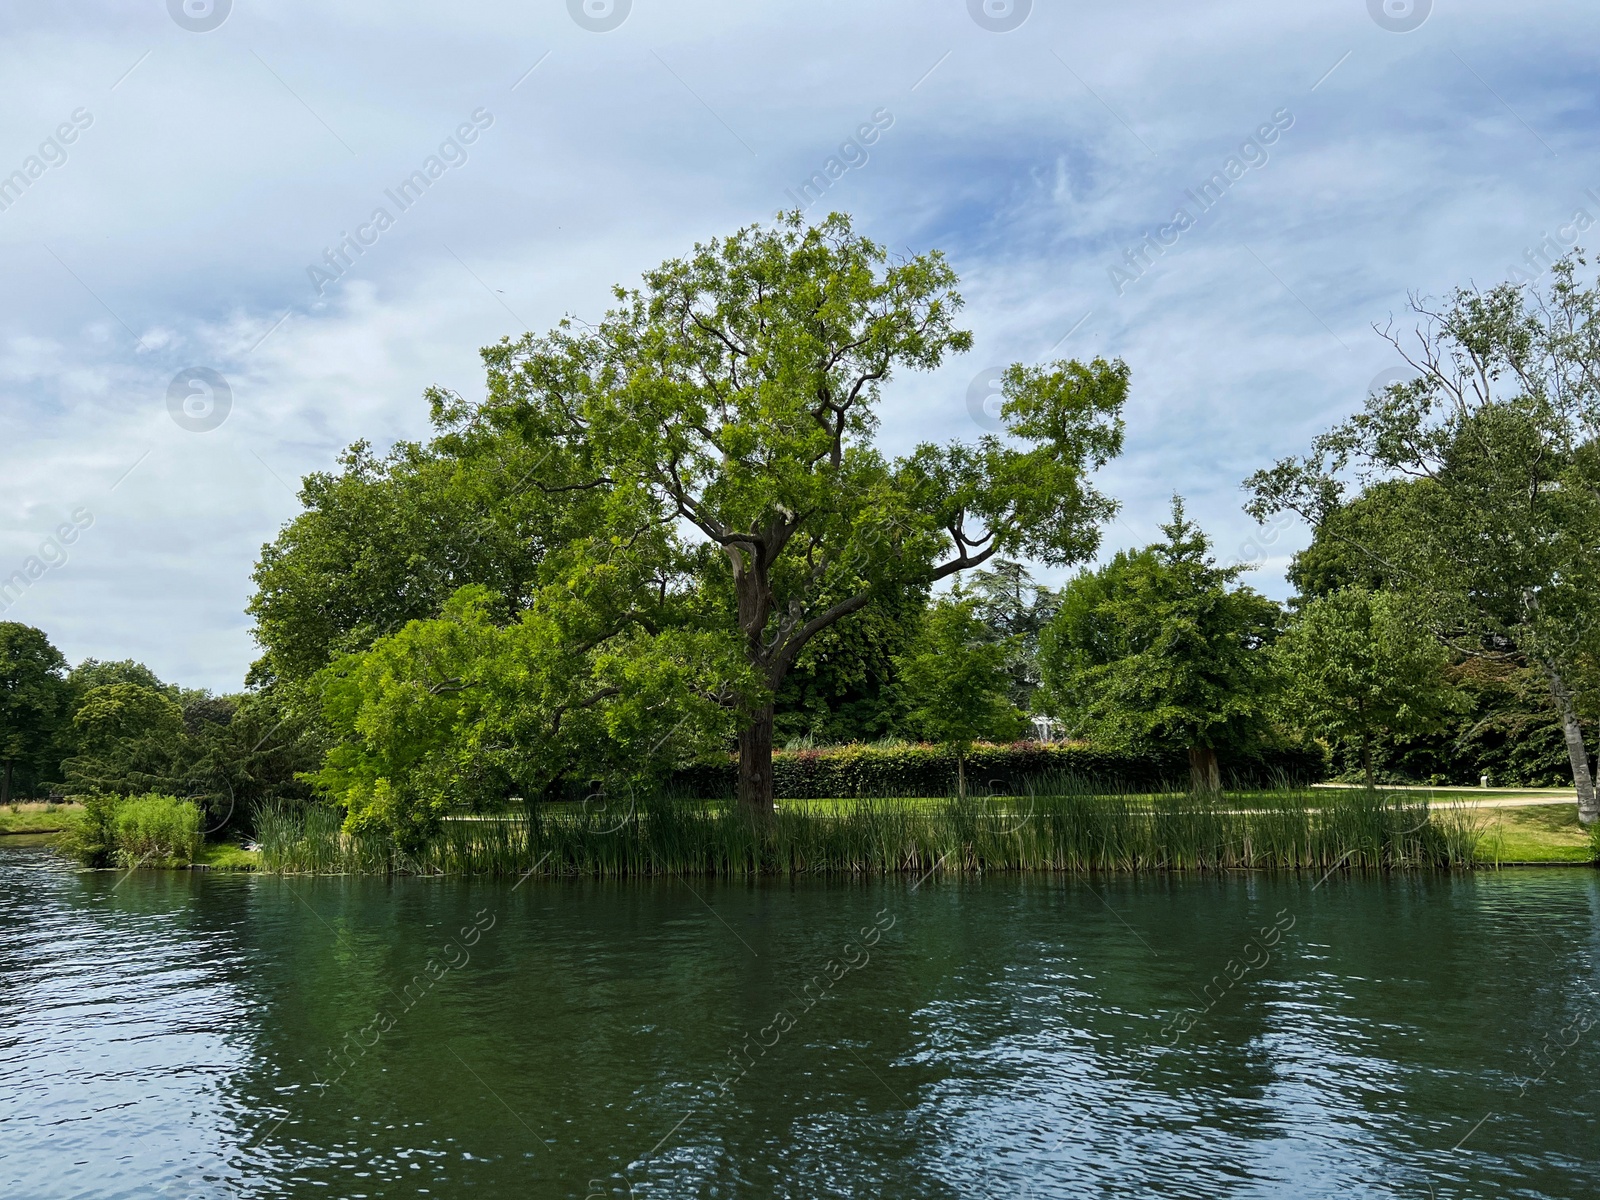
{"x":919,"y":769}
{"x":92,"y":839}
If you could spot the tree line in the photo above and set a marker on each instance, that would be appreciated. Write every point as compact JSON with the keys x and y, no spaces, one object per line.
{"x":671,"y":534}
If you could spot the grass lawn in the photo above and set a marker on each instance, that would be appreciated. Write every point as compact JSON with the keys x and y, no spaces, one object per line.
{"x":226,"y":856}
{"x":37,"y":817}
{"x":1544,"y":833}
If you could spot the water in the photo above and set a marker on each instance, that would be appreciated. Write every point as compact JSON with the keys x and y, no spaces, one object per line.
{"x":178,"y":1035}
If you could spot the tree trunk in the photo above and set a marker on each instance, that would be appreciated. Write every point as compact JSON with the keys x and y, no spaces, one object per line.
{"x":1204,"y":774}
{"x":755,"y":762}
{"x":1366,"y":757}
{"x":5,"y":785}
{"x":1577,"y":753}
{"x":961,"y":777}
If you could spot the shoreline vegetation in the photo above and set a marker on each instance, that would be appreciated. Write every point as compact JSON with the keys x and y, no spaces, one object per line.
{"x":1060,"y":826}
{"x":1066,"y":828}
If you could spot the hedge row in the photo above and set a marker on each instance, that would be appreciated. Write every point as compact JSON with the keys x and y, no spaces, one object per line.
{"x":927,"y":770}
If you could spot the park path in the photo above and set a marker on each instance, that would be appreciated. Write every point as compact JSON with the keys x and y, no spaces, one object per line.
{"x":1482,"y":797}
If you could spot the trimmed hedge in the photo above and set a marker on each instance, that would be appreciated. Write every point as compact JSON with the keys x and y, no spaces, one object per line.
{"x":860,"y":771}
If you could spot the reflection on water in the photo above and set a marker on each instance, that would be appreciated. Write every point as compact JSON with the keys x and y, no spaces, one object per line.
{"x":191,"y":1035}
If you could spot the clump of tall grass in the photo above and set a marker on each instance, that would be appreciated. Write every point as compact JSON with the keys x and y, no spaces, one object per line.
{"x":1064,"y":825}
{"x":132,"y":831}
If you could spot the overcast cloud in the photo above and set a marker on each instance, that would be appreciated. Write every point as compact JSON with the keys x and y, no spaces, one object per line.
{"x":210,"y":169}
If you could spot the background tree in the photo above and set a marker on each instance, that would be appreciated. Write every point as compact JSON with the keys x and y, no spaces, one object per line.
{"x":1157,"y":648}
{"x":33,"y":705}
{"x":127,"y":738}
{"x":1495,"y":536}
{"x":130,"y":733}
{"x":1016,"y":610}
{"x":1503,"y":723}
{"x":389,"y":539}
{"x":1355,"y":663}
{"x":92,"y":673}
{"x":112,"y":714}
{"x":734,"y":393}
{"x":955,"y":683}
{"x":1339,"y":555}
{"x":842,"y":686}
{"x":471,"y":710}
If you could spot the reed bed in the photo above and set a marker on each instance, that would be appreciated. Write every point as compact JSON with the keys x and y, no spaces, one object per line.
{"x":1060,"y":826}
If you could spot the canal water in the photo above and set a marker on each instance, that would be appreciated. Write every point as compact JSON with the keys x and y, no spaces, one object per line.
{"x":199,"y":1035}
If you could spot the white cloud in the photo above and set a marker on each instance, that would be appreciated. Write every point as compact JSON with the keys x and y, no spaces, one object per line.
{"x":180,"y":226}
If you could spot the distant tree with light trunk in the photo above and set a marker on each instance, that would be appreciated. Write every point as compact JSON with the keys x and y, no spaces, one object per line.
{"x":1494,"y":536}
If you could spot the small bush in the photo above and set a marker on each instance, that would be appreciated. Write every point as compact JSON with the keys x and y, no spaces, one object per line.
{"x":92,"y":839}
{"x":156,"y":829}
{"x":131,"y":831}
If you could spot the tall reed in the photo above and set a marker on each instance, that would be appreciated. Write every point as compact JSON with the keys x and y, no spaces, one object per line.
{"x":1064,"y":825}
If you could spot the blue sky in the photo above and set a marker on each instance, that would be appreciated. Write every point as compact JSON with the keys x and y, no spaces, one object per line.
{"x":211,"y":167}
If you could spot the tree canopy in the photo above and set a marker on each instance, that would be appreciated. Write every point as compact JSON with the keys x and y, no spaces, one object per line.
{"x":1160,"y":648}
{"x":955,"y":683}
{"x":1494,"y":529}
{"x":33,"y":704}
{"x":1355,"y":663}
{"x":721,"y":417}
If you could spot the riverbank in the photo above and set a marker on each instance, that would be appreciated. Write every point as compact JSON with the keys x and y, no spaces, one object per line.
{"x":35,"y":817}
{"x":1067,"y":831}
{"x":1311,"y":829}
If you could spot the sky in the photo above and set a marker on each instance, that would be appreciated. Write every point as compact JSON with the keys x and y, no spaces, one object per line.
{"x":180,"y":341}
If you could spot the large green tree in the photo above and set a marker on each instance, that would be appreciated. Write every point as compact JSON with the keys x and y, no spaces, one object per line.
{"x":33,"y":704}
{"x":115,"y":713}
{"x":732,"y":396}
{"x":1160,"y":647}
{"x":1495,"y":535}
{"x":1357,"y":663}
